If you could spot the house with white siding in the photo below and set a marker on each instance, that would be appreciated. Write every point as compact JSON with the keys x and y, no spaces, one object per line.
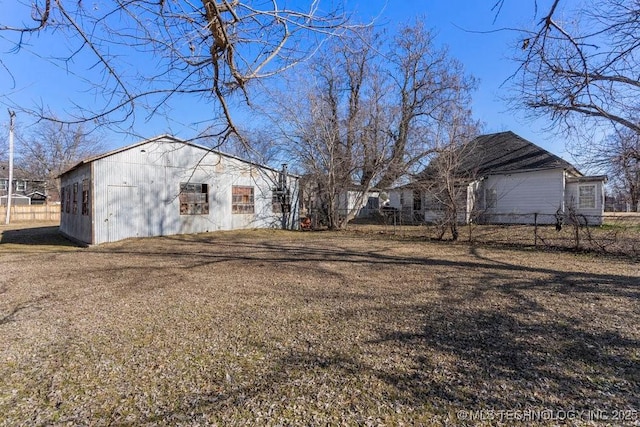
{"x":503,"y":178}
{"x":165,"y":186}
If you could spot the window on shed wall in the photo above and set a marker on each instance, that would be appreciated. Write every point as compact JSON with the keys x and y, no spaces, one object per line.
{"x":280,"y":201}
{"x":242,"y":200}
{"x":68,"y":204}
{"x":587,"y":196}
{"x":85,"y":197}
{"x":194,"y":199}
{"x":62,"y":199}
{"x":75,"y":198}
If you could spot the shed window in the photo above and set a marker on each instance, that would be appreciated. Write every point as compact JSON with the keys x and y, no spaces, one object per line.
{"x":85,"y":197}
{"x":194,"y":199}
{"x":587,"y":196}
{"x":68,"y":204}
{"x":62,"y":199}
{"x":280,"y":199}
{"x":242,"y":200}
{"x":75,"y":198}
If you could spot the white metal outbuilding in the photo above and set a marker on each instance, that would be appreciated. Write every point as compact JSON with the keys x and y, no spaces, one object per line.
{"x":166,"y":186}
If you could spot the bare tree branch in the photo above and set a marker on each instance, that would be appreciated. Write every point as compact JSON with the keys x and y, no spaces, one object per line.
{"x":141,"y":49}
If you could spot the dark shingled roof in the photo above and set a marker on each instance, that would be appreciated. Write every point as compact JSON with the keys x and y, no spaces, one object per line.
{"x":502,"y":153}
{"x":508,"y":152}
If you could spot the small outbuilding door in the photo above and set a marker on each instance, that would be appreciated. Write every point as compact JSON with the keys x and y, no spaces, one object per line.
{"x":122,"y":212}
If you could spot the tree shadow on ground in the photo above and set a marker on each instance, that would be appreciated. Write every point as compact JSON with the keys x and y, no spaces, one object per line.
{"x":45,"y":236}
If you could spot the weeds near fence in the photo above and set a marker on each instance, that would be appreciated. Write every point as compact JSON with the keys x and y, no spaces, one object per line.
{"x":617,"y":234}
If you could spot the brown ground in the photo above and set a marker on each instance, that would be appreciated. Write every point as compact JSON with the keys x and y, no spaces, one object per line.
{"x":316,"y":328}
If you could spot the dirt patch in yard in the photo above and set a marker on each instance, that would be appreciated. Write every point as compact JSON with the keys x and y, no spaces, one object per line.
{"x":289,"y":328}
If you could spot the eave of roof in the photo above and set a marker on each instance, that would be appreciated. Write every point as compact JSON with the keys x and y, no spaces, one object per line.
{"x":173,"y":139}
{"x":503,"y":153}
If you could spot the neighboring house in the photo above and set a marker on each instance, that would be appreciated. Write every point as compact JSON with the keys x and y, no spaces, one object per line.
{"x":166,"y":186}
{"x":25,"y":190}
{"x":503,"y":178}
{"x":365,"y":205}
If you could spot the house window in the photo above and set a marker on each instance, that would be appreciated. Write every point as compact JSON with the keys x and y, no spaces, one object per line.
{"x":74,"y":210}
{"x":21,"y":185}
{"x":490,"y":198}
{"x":194,"y":199}
{"x":401,"y":198}
{"x":62,"y":199}
{"x":85,"y":197}
{"x":586,"y":196}
{"x":242,"y":201}
{"x":417,"y":200}
{"x":4,"y":184}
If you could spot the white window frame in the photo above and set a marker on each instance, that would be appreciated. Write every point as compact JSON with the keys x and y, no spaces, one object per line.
{"x":21,"y":185}
{"x":587,"y":201}
{"x":4,"y":184}
{"x":490,"y":198}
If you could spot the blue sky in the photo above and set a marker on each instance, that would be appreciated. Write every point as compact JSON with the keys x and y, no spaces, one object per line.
{"x":470,"y":29}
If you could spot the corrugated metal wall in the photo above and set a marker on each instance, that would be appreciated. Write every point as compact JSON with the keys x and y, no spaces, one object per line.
{"x":137,"y":191}
{"x":76,"y":225}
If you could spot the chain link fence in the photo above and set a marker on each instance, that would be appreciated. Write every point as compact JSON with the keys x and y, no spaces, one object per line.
{"x":612,"y":233}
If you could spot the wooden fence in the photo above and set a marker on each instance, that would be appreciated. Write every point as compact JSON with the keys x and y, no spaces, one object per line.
{"x":31,"y":213}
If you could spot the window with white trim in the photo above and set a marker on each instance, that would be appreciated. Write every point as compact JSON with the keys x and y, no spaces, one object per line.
{"x":4,"y":184}
{"x":587,"y":196}
{"x":490,"y":198}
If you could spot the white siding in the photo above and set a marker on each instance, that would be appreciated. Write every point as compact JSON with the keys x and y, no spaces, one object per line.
{"x":521,"y":195}
{"x":137,"y":192}
{"x":594,"y":215}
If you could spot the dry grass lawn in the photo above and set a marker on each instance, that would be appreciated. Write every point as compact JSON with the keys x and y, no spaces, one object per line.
{"x":285,"y":328}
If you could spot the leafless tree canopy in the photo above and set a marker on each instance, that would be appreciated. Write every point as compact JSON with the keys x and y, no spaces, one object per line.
{"x":50,"y":148}
{"x":372,"y":110}
{"x":147,"y":52}
{"x":581,"y":67}
{"x":621,"y":160}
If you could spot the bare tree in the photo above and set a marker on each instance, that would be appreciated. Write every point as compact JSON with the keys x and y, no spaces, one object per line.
{"x":370,"y":114}
{"x":621,"y":160}
{"x":50,"y":148}
{"x":447,"y":179}
{"x":581,"y":68}
{"x":213,"y":49}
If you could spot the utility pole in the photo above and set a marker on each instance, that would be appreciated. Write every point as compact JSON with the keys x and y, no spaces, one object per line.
{"x":12,"y":116}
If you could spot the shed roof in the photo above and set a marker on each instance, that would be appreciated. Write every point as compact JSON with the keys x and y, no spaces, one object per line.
{"x":172,"y":139}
